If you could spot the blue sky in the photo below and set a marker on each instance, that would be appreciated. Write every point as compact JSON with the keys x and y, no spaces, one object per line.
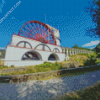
{"x":69,"y":14}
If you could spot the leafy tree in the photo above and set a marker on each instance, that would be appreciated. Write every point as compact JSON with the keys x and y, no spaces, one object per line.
{"x":94,"y":10}
{"x":75,"y":46}
{"x":97,"y":48}
{"x":2,"y":53}
{"x":93,"y":49}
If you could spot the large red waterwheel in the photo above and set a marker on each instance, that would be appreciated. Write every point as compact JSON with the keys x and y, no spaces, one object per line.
{"x":37,"y":31}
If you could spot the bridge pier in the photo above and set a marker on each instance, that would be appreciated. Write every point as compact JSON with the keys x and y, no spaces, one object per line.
{"x":67,"y":56}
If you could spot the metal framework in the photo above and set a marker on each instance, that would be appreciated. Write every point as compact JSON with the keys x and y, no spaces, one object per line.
{"x":24,"y":43}
{"x":30,"y":56}
{"x":37,"y":31}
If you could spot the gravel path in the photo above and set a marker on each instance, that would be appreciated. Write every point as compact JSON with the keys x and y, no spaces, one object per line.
{"x":44,"y":90}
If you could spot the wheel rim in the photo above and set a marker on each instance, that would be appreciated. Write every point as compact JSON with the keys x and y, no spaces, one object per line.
{"x":37,"y":31}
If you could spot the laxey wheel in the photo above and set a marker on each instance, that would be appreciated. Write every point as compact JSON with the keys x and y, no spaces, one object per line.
{"x":37,"y":31}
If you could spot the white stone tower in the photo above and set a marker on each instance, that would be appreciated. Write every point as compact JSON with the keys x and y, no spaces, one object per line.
{"x":56,"y":34}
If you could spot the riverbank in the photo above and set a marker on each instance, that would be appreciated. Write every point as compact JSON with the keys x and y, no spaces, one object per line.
{"x":48,"y":75}
{"x":89,"y":93}
{"x":47,"y":89}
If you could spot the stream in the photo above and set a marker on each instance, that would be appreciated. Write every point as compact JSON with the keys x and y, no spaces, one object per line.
{"x":46,"y":89}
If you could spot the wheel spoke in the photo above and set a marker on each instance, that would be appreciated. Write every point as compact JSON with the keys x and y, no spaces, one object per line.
{"x":33,"y":28}
{"x":28,"y":34}
{"x":38,"y":31}
{"x":31,"y":31}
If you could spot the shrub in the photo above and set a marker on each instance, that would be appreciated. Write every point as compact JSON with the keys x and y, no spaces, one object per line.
{"x":29,"y":71}
{"x":98,"y":55}
{"x":90,"y":62}
{"x":12,"y":66}
{"x":93,"y":55}
{"x":3,"y":67}
{"x":47,"y":62}
{"x":65,"y":59}
{"x":97,"y":61}
{"x":47,"y":67}
{"x":78,"y":59}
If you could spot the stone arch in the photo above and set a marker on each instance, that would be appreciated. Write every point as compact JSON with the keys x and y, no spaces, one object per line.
{"x":31,"y":55}
{"x":25,"y":42}
{"x":43,"y":46}
{"x":56,"y":50}
{"x":53,"y":56}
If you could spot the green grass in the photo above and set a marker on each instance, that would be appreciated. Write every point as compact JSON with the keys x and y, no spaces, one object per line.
{"x":84,"y":54}
{"x":6,"y":67}
{"x":89,"y":93}
{"x":3,"y":67}
{"x":81,"y":58}
{"x":1,"y":62}
{"x":38,"y":68}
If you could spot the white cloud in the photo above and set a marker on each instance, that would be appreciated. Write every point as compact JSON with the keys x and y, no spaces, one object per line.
{"x":2,"y":5}
{"x":92,"y":43}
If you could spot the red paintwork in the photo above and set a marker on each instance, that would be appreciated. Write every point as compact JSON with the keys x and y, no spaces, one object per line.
{"x":32,"y":39}
{"x":33,"y":49}
{"x":35,"y":30}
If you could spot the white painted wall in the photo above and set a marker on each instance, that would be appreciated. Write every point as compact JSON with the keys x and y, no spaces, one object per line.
{"x":56,"y":33}
{"x":58,"y":42}
{"x":16,"y":39}
{"x":14,"y":55}
{"x":22,"y":63}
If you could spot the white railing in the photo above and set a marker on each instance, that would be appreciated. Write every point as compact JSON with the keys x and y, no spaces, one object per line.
{"x":73,"y":51}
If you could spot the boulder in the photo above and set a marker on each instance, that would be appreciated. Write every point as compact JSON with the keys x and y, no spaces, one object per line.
{"x":70,"y":65}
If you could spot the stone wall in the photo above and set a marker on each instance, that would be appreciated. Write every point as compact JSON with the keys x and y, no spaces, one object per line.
{"x":11,"y":70}
{"x":36,"y":76}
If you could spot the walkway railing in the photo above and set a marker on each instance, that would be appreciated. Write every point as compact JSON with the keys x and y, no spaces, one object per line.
{"x":73,"y":51}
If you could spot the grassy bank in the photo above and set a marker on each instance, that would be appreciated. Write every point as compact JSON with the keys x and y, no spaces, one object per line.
{"x":1,"y":62}
{"x":81,"y":58}
{"x":34,"y":69}
{"x":89,"y":93}
{"x":62,"y":74}
{"x":72,"y":73}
